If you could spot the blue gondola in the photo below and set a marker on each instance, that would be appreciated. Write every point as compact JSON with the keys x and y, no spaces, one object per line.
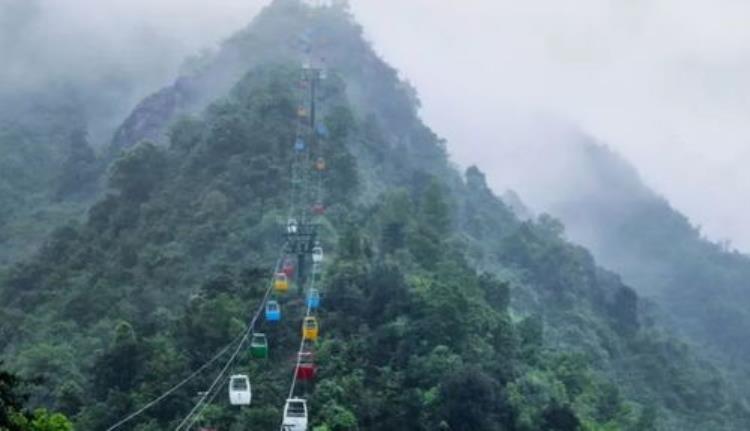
{"x":273,"y":311}
{"x":322,"y":130}
{"x":313,"y":299}
{"x":299,"y":144}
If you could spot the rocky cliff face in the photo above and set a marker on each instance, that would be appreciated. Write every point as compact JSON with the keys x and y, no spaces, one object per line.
{"x":149,"y":119}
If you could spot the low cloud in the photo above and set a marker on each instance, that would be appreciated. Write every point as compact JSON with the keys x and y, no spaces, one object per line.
{"x":663,"y":82}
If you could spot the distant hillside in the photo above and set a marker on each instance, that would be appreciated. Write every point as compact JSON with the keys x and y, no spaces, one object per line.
{"x":61,"y":98}
{"x":700,"y":287}
{"x":47,"y":168}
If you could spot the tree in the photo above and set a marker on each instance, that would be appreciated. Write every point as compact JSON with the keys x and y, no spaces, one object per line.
{"x":138,"y":172}
{"x":394,"y":214}
{"x":496,"y":292}
{"x":119,"y":366}
{"x":11,"y":401}
{"x":42,"y":420}
{"x":338,"y":418}
{"x":14,"y":418}
{"x":185,"y":134}
{"x":560,"y":418}
{"x":435,"y":210}
{"x":471,"y":401}
{"x":624,"y":310}
{"x":79,"y":168}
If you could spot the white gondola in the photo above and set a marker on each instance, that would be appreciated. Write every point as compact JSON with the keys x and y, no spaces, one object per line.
{"x":291,"y":226}
{"x":295,"y":415}
{"x":317,"y":254}
{"x":240,"y":392}
{"x":323,"y":70}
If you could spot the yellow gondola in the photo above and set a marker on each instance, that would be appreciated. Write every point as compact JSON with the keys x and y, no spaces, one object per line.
{"x":320,"y":164}
{"x":302,"y":112}
{"x":281,"y":282}
{"x":310,"y":328}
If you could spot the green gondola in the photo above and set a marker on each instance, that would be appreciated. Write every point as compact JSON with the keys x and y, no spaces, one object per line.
{"x":259,"y":346}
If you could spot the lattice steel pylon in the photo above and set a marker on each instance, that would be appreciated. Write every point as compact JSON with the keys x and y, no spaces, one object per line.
{"x":304,"y":197}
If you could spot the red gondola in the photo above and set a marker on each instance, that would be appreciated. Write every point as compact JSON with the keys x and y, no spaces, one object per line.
{"x":306,"y":369}
{"x":288,"y":267}
{"x":318,"y":209}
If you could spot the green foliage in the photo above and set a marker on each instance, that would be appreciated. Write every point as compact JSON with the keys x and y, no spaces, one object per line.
{"x":38,"y":137}
{"x":79,"y":169}
{"x":698,"y":286}
{"x":13,"y":417}
{"x":138,"y":172}
{"x":41,"y":420}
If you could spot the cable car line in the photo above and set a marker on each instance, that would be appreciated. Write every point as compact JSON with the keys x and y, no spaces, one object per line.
{"x":301,"y":345}
{"x":295,"y":410}
{"x":156,"y":400}
{"x":298,"y":361}
{"x":198,"y":415}
{"x":298,"y":230}
{"x":240,"y":337}
{"x":307,"y":184}
{"x":237,"y":350}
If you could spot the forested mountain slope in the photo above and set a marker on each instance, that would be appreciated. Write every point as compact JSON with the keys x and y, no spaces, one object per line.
{"x":47,"y":166}
{"x":700,"y":286}
{"x":62,"y":94}
{"x":440,"y":308}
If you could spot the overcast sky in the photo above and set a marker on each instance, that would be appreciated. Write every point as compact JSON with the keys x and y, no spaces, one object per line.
{"x":663,"y":82}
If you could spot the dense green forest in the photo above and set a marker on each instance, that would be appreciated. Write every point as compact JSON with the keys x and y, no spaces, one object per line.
{"x":440,"y":308}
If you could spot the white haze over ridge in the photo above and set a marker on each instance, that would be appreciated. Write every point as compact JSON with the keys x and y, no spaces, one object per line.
{"x":44,"y":40}
{"x":663,"y":82}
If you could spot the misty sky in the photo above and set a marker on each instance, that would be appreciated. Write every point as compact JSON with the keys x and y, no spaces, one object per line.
{"x":663,"y":82}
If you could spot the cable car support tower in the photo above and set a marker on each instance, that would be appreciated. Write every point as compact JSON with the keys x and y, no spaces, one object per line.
{"x":306,"y":201}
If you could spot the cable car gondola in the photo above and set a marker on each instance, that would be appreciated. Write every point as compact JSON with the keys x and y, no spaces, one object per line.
{"x":292,"y":226}
{"x":281,"y":282}
{"x":299,"y":145}
{"x":259,"y":346}
{"x":273,"y":311}
{"x":295,"y":415}
{"x":306,"y":369}
{"x":313,"y":299}
{"x":323,"y":74}
{"x":310,"y":328}
{"x":318,"y":209}
{"x":288,"y":267}
{"x":317,"y":254}
{"x":240,"y":393}
{"x":320,"y":164}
